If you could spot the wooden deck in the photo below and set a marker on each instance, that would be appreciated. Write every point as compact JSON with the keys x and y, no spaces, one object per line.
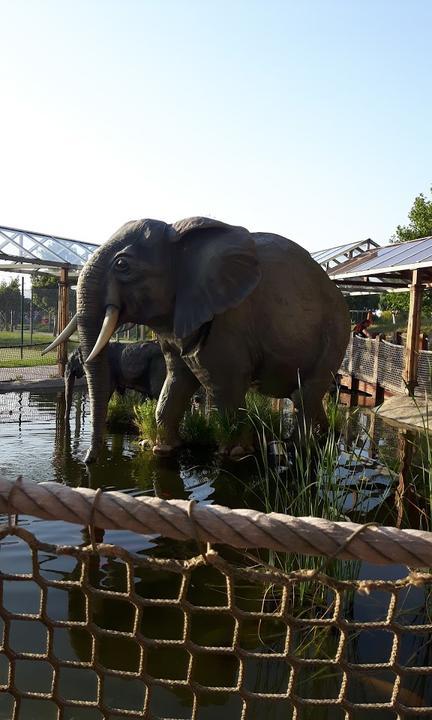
{"x":414,"y":412}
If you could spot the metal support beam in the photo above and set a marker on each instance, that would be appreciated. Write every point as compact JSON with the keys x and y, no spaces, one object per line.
{"x":22,"y":316}
{"x":413,"y":332}
{"x":63,"y":317}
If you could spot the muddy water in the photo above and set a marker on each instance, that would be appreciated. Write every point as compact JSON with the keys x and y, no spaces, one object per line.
{"x":35,"y":442}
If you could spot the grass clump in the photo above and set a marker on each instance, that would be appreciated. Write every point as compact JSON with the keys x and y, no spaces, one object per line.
{"x":121,"y":410}
{"x":144,"y":417}
{"x":214,"y":428}
{"x":196,"y":428}
{"x":199,"y":429}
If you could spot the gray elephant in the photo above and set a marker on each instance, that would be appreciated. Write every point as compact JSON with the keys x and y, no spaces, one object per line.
{"x":135,"y":366}
{"x":229,"y":307}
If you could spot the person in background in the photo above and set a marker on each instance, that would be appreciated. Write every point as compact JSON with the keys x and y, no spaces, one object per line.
{"x":360,"y":329}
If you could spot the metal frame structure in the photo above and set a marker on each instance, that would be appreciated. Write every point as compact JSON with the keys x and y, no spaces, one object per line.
{"x":25,"y":251}
{"x":331,"y":258}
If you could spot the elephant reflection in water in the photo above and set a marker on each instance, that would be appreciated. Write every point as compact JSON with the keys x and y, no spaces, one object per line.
{"x":65,"y":466}
{"x":207,"y":588}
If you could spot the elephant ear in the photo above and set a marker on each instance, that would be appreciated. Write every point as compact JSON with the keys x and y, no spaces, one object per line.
{"x":216,"y":269}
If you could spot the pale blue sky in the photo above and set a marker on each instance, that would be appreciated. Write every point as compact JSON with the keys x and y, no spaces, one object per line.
{"x":311,"y":119}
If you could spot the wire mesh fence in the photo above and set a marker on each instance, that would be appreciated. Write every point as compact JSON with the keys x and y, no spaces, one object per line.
{"x":29,"y":322}
{"x":26,"y":355}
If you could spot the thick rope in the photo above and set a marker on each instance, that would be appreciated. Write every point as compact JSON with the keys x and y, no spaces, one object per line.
{"x":215,"y":524}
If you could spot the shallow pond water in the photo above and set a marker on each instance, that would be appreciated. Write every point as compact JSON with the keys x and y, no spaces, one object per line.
{"x":36,"y":442}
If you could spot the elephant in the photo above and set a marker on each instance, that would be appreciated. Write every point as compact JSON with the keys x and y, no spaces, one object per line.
{"x":135,"y":366}
{"x":230,"y":308}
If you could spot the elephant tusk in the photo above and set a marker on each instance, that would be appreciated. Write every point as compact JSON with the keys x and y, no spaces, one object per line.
{"x":64,"y":335}
{"x":108,"y":326}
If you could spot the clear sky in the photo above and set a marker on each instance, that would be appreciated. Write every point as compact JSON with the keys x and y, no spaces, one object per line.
{"x":311,"y":118}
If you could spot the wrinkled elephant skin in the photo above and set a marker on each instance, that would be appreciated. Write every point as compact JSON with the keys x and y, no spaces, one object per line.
{"x":229,"y":307}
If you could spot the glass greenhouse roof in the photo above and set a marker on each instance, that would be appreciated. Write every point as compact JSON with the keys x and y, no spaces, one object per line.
{"x":331,"y":258}
{"x":26,"y":251}
{"x":395,"y":258}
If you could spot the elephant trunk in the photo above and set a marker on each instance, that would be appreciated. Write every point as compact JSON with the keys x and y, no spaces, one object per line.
{"x":90,"y":319}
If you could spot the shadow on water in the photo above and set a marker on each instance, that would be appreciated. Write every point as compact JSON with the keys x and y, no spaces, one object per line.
{"x":36,"y":442}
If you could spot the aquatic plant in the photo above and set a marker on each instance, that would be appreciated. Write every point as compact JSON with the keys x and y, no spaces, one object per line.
{"x":121,"y":409}
{"x":320,"y":476}
{"x":144,"y":415}
{"x":199,"y":429}
{"x":213,"y":428}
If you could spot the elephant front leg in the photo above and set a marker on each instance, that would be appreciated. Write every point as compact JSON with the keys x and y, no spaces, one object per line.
{"x":174,"y":399}
{"x":236,"y":437}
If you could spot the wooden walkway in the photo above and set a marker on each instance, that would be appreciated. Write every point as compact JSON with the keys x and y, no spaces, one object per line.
{"x":404,"y":410}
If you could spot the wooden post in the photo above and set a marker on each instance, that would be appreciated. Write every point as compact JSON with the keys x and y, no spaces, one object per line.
{"x":63,"y":317}
{"x":377,"y":394}
{"x":413,"y":332}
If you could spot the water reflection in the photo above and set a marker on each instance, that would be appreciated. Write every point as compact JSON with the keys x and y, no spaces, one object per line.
{"x":375,"y":463}
{"x":380,"y":472}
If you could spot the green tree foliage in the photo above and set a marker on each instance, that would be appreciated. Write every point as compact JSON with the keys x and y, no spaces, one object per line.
{"x":363,"y":302}
{"x":44,"y":280}
{"x":420,"y":225}
{"x":45,"y":292}
{"x":10,"y":300}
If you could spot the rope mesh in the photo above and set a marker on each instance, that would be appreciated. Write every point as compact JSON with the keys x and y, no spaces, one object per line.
{"x":363,"y":362}
{"x":382,"y":362}
{"x":118,"y":634}
{"x":391,"y":365}
{"x":424,"y":371}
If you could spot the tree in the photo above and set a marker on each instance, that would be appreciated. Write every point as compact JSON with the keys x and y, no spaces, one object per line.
{"x":420,"y":225}
{"x":10,"y":300}
{"x":45,"y":292}
{"x":45,"y":299}
{"x":363,"y":302}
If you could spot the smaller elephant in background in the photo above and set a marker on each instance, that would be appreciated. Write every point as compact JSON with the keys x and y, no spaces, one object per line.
{"x":134,"y":366}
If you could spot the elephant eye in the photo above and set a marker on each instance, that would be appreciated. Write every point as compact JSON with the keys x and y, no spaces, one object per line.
{"x":121,"y":264}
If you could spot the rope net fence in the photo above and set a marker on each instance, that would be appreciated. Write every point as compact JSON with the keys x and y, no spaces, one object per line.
{"x":382,"y":362}
{"x":194,"y":626}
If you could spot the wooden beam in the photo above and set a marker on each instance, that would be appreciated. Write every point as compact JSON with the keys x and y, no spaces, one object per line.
{"x":370,"y":284}
{"x":63,"y":317}
{"x":413,"y":332}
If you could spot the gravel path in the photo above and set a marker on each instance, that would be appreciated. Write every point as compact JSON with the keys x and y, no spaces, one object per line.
{"x":41,"y":372}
